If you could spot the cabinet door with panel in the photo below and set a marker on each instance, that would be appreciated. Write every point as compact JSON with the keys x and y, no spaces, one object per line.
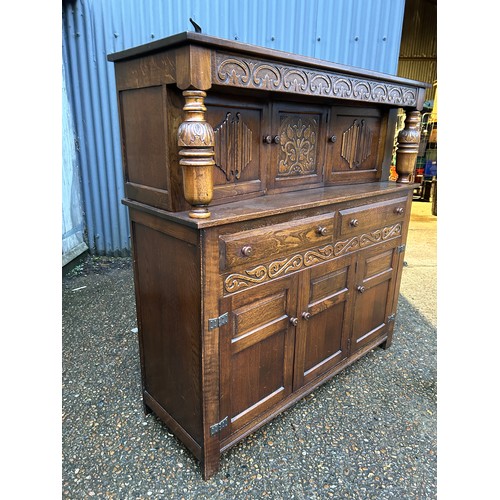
{"x":256,"y":351}
{"x":240,"y":157}
{"x":355,"y":145}
{"x":374,"y":292}
{"x":297,"y":137}
{"x":324,"y":314}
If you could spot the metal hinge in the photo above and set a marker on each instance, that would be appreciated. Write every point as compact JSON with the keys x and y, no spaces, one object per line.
{"x":216,"y":428}
{"x":400,"y":248}
{"x":390,"y":318}
{"x":216,"y":322}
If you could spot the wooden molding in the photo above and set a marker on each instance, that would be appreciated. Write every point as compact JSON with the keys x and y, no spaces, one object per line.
{"x":239,"y":71}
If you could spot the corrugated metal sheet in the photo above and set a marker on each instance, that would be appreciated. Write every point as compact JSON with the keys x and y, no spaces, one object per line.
{"x":364,"y":33}
{"x":418,"y":55}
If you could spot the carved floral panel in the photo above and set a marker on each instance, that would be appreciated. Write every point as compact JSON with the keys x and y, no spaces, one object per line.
{"x":297,"y":138}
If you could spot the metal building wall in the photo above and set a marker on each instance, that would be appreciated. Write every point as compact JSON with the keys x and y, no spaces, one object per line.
{"x":364,"y":33}
{"x":418,"y":55}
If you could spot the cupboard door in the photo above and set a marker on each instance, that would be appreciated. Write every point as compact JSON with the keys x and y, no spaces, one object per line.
{"x":355,"y":145}
{"x":240,"y":157}
{"x":374,"y":292}
{"x":324,"y":315}
{"x":297,"y":139}
{"x":256,"y":351}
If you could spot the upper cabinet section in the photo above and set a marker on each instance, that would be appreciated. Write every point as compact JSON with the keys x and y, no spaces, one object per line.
{"x":206,"y":121}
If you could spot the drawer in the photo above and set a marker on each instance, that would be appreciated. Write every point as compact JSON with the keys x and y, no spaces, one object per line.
{"x":374,"y":215}
{"x":273,"y":241}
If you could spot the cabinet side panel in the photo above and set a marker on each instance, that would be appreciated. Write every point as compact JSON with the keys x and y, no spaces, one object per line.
{"x":144,"y":130}
{"x":167,"y":274}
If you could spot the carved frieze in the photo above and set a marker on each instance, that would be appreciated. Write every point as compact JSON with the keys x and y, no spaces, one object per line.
{"x":265,"y":272}
{"x":356,"y":143}
{"x":297,"y":145}
{"x":251,"y":73}
{"x":233,"y":146}
{"x":367,"y":239}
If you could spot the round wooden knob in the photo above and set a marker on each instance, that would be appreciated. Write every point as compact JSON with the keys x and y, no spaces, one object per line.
{"x":361,"y":289}
{"x":333,"y":138}
{"x":306,"y":315}
{"x":354,"y":223}
{"x":322,"y":231}
{"x":276,"y":139}
{"x":399,"y":210}
{"x":268,"y":139}
{"x":294,"y":321}
{"x":247,"y":250}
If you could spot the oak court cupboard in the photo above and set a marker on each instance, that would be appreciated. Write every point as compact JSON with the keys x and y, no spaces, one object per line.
{"x":267,"y":241}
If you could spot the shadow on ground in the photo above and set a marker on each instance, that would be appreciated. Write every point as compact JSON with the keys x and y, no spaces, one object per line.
{"x":370,"y":433}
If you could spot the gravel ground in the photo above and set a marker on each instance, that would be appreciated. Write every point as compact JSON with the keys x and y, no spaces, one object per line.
{"x":370,"y":433}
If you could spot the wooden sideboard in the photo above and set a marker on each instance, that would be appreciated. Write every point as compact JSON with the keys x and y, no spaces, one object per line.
{"x":267,"y":242}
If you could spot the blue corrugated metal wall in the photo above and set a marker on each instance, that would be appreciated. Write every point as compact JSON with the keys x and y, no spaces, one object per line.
{"x":364,"y":33}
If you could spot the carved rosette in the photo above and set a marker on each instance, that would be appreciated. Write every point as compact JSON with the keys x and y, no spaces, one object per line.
{"x":408,"y":142}
{"x":196,"y":138}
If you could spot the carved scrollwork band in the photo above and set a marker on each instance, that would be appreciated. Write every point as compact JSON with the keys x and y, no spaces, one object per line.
{"x":252,"y":73}
{"x":265,"y":272}
{"x":366,"y":239}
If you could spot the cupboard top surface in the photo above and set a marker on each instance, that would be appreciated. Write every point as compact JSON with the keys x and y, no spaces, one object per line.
{"x":265,"y":206}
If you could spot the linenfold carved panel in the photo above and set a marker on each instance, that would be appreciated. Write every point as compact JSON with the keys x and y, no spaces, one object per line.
{"x":265,"y":272}
{"x":356,"y":143}
{"x":251,"y":73}
{"x":233,"y":146}
{"x":297,"y":145}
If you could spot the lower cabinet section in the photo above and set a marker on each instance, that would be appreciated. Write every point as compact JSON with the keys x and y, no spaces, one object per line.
{"x":239,"y":321}
{"x":282,"y":335}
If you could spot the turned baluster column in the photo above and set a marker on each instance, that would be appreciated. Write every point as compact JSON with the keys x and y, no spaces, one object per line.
{"x":408,"y":142}
{"x":196,"y":138}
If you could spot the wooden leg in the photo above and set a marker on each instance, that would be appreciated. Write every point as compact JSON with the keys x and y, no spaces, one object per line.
{"x":386,"y":343}
{"x":210,"y":465}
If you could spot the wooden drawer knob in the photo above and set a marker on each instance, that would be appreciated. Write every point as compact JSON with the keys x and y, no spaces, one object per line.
{"x":294,"y":321}
{"x":306,"y":315}
{"x":247,"y":250}
{"x":399,"y":210}
{"x":268,"y":139}
{"x":361,"y":289}
{"x":354,"y":223}
{"x":322,"y":231}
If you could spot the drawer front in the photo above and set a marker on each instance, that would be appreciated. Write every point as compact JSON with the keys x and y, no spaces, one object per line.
{"x":273,"y":241}
{"x":354,"y":220}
